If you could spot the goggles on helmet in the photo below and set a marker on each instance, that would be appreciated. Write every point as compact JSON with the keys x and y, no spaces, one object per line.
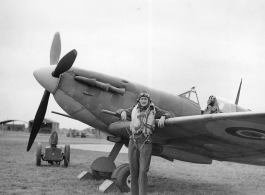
{"x":212,"y":97}
{"x":144,"y":94}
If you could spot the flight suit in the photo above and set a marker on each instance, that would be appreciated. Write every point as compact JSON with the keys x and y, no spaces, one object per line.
{"x":140,"y":152}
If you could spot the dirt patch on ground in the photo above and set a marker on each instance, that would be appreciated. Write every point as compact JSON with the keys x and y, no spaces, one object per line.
{"x":20,"y":175}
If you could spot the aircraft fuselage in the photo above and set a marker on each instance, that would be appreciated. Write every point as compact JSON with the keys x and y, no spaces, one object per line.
{"x":85,"y":101}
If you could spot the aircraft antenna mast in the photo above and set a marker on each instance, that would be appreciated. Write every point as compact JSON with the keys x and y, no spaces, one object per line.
{"x":238,"y":93}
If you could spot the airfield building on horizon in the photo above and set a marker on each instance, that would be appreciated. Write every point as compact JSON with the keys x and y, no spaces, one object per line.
{"x":47,"y":126}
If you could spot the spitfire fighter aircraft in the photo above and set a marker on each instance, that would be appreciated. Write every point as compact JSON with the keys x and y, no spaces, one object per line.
{"x":235,"y":135}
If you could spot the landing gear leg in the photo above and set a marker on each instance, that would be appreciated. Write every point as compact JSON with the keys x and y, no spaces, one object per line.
{"x":102,"y":167}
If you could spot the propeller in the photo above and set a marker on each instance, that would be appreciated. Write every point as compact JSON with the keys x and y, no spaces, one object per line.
{"x":63,"y":65}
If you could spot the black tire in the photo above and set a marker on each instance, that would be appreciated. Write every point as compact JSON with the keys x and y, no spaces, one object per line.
{"x":38,"y":155}
{"x":98,"y":175}
{"x":66,"y":155}
{"x":124,"y":179}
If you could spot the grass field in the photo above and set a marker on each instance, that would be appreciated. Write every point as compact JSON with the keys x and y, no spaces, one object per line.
{"x":20,"y":175}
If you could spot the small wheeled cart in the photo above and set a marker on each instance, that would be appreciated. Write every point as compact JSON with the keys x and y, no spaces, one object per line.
{"x":53,"y":154}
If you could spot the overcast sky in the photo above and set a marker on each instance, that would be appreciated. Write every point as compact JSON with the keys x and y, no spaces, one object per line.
{"x":168,"y":45}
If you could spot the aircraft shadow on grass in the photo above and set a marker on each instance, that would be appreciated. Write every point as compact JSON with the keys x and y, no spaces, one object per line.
{"x":183,"y":186}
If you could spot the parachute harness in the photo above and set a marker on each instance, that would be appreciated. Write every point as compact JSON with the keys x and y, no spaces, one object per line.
{"x":142,"y":128}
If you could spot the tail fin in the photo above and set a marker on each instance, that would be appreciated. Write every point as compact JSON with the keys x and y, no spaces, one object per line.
{"x":238,"y":93}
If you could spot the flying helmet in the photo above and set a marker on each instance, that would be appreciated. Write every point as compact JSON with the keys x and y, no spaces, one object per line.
{"x":144,"y":94}
{"x":212,"y":97}
{"x":212,"y":100}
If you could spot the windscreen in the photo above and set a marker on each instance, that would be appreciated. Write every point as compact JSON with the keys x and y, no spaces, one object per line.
{"x":227,"y":106}
{"x":191,"y":95}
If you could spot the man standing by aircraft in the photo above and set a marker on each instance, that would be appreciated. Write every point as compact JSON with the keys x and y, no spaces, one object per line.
{"x":143,"y":116}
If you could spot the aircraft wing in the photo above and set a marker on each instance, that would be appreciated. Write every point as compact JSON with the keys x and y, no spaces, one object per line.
{"x":235,"y":137}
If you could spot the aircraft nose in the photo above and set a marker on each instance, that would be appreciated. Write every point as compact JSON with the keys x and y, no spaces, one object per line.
{"x":45,"y":78}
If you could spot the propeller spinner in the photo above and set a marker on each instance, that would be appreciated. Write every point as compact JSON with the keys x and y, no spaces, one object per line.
{"x":63,"y":65}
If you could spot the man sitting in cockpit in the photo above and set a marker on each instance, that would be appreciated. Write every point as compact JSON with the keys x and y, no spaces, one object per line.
{"x":212,"y":106}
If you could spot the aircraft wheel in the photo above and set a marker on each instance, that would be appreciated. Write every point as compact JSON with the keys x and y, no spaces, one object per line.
{"x":38,"y":155}
{"x":124,"y":179}
{"x":66,"y":155}
{"x":98,"y":175}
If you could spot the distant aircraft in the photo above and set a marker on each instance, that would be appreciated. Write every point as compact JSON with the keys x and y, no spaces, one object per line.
{"x":235,"y":135}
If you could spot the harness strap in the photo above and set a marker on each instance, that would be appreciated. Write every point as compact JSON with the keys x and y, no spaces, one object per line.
{"x":142,"y":126}
{"x":135,"y":139}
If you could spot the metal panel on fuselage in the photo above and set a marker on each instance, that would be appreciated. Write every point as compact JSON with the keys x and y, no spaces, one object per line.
{"x":67,"y":95}
{"x":190,"y":108}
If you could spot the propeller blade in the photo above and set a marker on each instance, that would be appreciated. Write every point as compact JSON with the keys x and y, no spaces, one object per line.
{"x":65,"y":63}
{"x":39,"y":118}
{"x":55,"y":51}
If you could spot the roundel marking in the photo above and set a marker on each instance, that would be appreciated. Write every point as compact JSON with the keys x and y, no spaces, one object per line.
{"x":247,"y":133}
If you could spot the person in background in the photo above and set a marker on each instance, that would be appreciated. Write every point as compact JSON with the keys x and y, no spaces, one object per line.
{"x":212,"y":106}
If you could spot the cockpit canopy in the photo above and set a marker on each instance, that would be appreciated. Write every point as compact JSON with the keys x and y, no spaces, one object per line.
{"x":226,"y":106}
